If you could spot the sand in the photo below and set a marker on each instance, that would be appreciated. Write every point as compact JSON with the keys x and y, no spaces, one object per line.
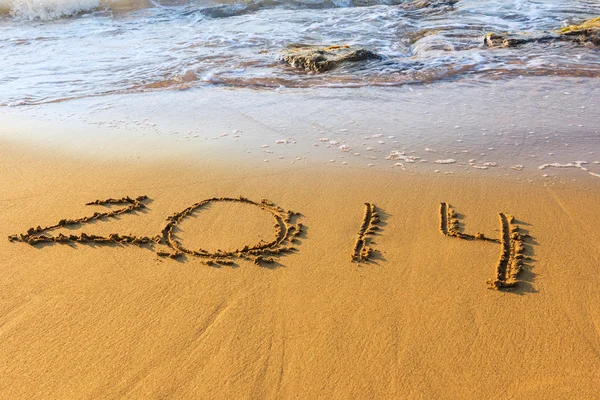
{"x":418,"y":320}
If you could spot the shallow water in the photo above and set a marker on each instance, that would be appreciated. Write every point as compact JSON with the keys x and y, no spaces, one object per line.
{"x":53,"y":50}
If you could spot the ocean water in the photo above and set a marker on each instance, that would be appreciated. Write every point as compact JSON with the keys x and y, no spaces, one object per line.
{"x":55,"y":50}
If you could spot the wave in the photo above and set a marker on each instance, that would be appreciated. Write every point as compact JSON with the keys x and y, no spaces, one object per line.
{"x":183,"y":44}
{"x":46,"y":10}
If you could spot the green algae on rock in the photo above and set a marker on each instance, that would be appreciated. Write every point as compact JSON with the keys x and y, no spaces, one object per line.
{"x":586,"y":32}
{"x":321,"y":59}
{"x":589,"y":25}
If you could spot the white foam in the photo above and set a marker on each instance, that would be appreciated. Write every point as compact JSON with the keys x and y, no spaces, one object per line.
{"x":574,"y":164}
{"x":47,"y":9}
{"x":399,"y":156}
{"x":448,"y":161}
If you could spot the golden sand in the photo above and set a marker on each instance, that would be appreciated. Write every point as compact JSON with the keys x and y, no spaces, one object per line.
{"x":114,"y":319}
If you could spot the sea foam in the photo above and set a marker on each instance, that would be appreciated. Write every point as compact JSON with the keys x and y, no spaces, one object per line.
{"x":46,"y":9}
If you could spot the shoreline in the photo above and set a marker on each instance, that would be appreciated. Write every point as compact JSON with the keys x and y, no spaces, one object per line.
{"x":525,"y":129}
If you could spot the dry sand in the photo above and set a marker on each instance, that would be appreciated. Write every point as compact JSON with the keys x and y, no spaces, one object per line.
{"x":97,"y":321}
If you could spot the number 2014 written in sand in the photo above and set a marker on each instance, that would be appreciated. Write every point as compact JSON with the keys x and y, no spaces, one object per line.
{"x":288,"y":232}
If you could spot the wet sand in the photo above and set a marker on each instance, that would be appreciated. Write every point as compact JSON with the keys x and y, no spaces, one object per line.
{"x":416,"y":320}
{"x":506,"y":129}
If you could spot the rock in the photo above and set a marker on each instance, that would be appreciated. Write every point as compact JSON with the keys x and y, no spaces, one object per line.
{"x":587,"y":32}
{"x":321,"y":59}
{"x":432,"y":3}
{"x":503,"y":41}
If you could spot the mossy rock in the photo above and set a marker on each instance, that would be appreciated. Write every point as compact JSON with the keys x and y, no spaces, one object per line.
{"x":584,"y":27}
{"x":586,"y":32}
{"x":322,"y":59}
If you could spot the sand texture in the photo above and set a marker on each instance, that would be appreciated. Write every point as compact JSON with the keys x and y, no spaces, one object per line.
{"x":491,"y":295}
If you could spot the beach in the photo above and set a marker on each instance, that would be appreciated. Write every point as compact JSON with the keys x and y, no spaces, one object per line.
{"x":385,"y":200}
{"x":416,"y":320}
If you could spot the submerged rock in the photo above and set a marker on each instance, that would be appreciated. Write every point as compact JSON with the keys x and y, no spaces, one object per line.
{"x":497,"y":40}
{"x":587,"y":32}
{"x":321,"y":59}
{"x":432,"y":3}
